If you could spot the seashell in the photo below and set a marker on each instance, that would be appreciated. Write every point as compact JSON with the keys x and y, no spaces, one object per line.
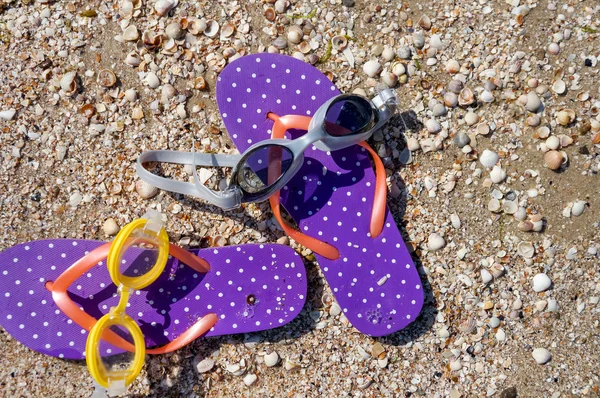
{"x":212,"y":28}
{"x":596,"y":138}
{"x":541,"y":282}
{"x":295,"y":35}
{"x":145,"y":190}
{"x":565,"y":117}
{"x":533,"y":120}
{"x":515,"y":67}
{"x":116,"y":189}
{"x":439,"y":110}
{"x":404,"y":53}
{"x":553,"y":142}
{"x":131,"y":33}
{"x":488,"y":158}
{"x":418,"y":41}
{"x":553,"y":48}
{"x":229,"y":52}
{"x":196,"y":26}
{"x":164,"y":6}
{"x":174,"y":30}
{"x":68,"y":82}
{"x":398,"y":69}
{"x":152,"y":80}
{"x":372,"y":68}
{"x":270,"y":14}
{"x":133,"y":59}
{"x":542,"y":133}
{"x":388,"y":54}
{"x":471,"y":118}
{"x":525,"y":226}
{"x":541,"y":355}
{"x":467,"y":326}
{"x":106,"y":78}
{"x":205,"y":365}
{"x":110,"y":227}
{"x":578,"y":208}
{"x":553,"y":160}
{"x":452,"y":66}
{"x":494,"y":205}
{"x":559,"y":87}
{"x":461,"y":139}
{"x":520,"y":214}
{"x":137,"y":113}
{"x":413,"y":144}
{"x":271,"y":359}
{"x":525,"y":249}
{"x":509,"y":207}
{"x":497,"y":175}
{"x":455,"y":86}
{"x":583,"y":96}
{"x":227,"y":31}
{"x":433,"y":126}
{"x":200,"y":83}
{"x":235,"y":369}
{"x":450,"y":99}
{"x":249,"y":379}
{"x":425,"y":22}
{"x":168,"y":91}
{"x":280,"y":43}
{"x":126,"y":9}
{"x":595,"y":126}
{"x":497,"y":270}
{"x":533,"y":82}
{"x":487,"y":96}
{"x":483,"y":128}
{"x":339,"y":42}
{"x":538,"y":222}
{"x":595,"y":109}
{"x":486,"y":277}
{"x":151,"y":40}
{"x":304,"y":47}
{"x":281,"y":6}
{"x":565,"y":140}
{"x":466,"y":97}
{"x":88,"y":110}
{"x":533,"y":103}
{"x":218,"y":241}
{"x":389,"y":79}
{"x":435,"y":242}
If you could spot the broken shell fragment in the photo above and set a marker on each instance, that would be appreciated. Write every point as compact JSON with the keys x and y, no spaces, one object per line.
{"x":339,"y":42}
{"x":106,"y":78}
{"x":133,"y":59}
{"x":525,"y":249}
{"x":131,"y":33}
{"x":212,"y":28}
{"x":164,"y":6}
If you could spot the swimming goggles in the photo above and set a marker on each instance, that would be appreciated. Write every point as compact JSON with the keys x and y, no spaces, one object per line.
{"x":147,"y":233}
{"x":267,"y":166}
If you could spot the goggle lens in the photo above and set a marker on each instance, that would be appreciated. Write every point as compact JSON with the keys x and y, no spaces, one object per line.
{"x":348,"y":116}
{"x":263,"y":167}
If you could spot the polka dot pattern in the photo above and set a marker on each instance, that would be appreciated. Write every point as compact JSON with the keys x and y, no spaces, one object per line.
{"x":374,"y":281}
{"x":249,"y":287}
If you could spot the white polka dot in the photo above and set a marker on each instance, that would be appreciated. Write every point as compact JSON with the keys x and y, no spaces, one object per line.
{"x":17,"y":282}
{"x":248,"y":90}
{"x":15,"y":260}
{"x":33,"y":314}
{"x":48,"y":346}
{"x":234,"y":326}
{"x":283,"y":86}
{"x":233,"y":85}
{"x":228,"y":99}
{"x":9,"y":316}
{"x":273,"y":66}
{"x":51,"y":245}
{"x":318,"y":82}
{"x":418,"y":287}
{"x":257,"y":323}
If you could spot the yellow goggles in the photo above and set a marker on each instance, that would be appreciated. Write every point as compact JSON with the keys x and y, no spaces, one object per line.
{"x":147,"y":233}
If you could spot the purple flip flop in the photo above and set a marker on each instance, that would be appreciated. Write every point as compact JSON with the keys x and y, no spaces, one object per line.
{"x":374,"y":280}
{"x":250,"y":288}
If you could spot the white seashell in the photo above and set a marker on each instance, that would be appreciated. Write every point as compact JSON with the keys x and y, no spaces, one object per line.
{"x":389,"y":79}
{"x":552,"y":305}
{"x":494,"y":322}
{"x":497,"y":270}
{"x":533,"y":102}
{"x":455,"y":221}
{"x":110,"y":227}
{"x":271,"y":359}
{"x":553,"y":48}
{"x":152,"y":80}
{"x":578,"y":208}
{"x":487,"y":96}
{"x":335,"y":309}
{"x":520,"y":214}
{"x":174,"y":30}
{"x":525,"y":226}
{"x":205,"y":365}
{"x":488,"y":158}
{"x":467,"y":326}
{"x":455,"y":365}
{"x":500,"y":335}
{"x":436,"y":42}
{"x":137,"y":113}
{"x":559,"y":87}
{"x":541,"y":282}
{"x":565,"y":140}
{"x":372,"y":68}
{"x":494,"y":205}
{"x":541,"y":355}
{"x":509,"y":207}
{"x":412,"y":144}
{"x":295,"y":34}
{"x":543,"y":132}
{"x":289,"y":364}
{"x":249,"y":379}
{"x":126,"y":9}
{"x":483,"y":128}
{"x":212,"y":28}
{"x":461,"y":139}
{"x":168,"y":91}
{"x":553,"y":142}
{"x":533,"y":120}
{"x":471,"y":118}
{"x":404,"y":53}
{"x":133,"y":59}
{"x":145,"y":190}
{"x":435,"y":242}
{"x":66,"y":82}
{"x":450,"y":99}
{"x":486,"y":277}
{"x":164,"y":6}
{"x":398,"y":69}
{"x":433,"y":126}
{"x":525,"y":249}
{"x":565,"y":116}
{"x":455,"y":86}
{"x":8,"y":114}
{"x":130,"y":95}
{"x":131,"y":33}
{"x":452,"y":66}
{"x":439,"y":109}
{"x":388,"y":54}
{"x":497,"y":175}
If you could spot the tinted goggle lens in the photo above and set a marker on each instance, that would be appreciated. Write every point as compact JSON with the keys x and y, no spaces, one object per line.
{"x":348,"y":116}
{"x":263,"y":167}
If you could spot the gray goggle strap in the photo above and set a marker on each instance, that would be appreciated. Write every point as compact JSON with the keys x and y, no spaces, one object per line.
{"x":225,"y":199}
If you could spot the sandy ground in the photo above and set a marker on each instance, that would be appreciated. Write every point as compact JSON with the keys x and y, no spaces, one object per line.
{"x":455,"y":348}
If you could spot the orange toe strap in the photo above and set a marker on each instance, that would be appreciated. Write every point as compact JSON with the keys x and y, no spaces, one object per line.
{"x":281,"y":125}
{"x":380,"y":201}
{"x":68,"y":307}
